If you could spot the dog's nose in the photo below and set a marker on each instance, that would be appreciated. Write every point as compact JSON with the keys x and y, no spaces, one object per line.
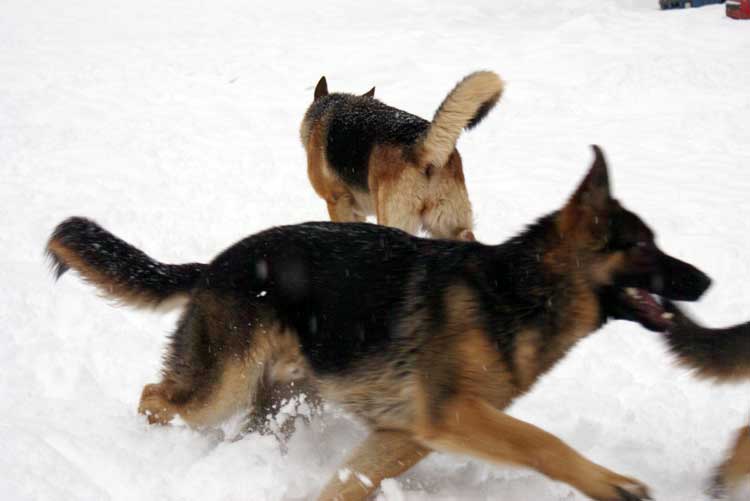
{"x":690,"y":286}
{"x":682,"y":281}
{"x":703,"y":282}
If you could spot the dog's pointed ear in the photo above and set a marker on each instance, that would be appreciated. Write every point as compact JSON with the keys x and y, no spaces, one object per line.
{"x":369,"y":93}
{"x":591,"y":198}
{"x":593,"y":192}
{"x":321,"y":89}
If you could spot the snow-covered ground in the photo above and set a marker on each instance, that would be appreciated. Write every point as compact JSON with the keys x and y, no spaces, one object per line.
{"x":174,"y":124}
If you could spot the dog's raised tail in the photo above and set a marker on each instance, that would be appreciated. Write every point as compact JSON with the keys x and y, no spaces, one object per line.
{"x":116,"y":268}
{"x":719,"y":354}
{"x":463,"y":108}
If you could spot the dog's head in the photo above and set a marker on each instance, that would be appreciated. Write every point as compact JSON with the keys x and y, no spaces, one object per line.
{"x":620,"y":255}
{"x":321,"y":90}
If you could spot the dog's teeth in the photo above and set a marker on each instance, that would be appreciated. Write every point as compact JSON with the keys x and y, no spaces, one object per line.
{"x":667,"y":316}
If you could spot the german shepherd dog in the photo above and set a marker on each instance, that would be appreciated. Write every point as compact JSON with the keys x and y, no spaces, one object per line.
{"x":426,"y":341}
{"x":720,"y":355}
{"x":365,"y":157}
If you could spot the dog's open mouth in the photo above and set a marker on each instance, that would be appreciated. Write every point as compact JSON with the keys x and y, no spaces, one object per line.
{"x":646,"y":309}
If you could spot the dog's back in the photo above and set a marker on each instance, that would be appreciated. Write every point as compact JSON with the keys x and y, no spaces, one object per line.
{"x":352,"y":125}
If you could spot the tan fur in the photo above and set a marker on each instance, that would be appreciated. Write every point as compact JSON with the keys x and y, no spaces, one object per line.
{"x":229,"y":395}
{"x":273,"y":358}
{"x":468,"y":419}
{"x":471,"y":422}
{"x":582,"y":319}
{"x":453,"y":350}
{"x":406,"y":197}
{"x":400,"y":195}
{"x":444,"y":390}
{"x":468,"y":422}
{"x":341,"y":204}
{"x":736,"y":469}
{"x":603,"y":271}
{"x":457,"y":109}
{"x":714,"y":373}
{"x":376,"y":392}
{"x":109,"y":288}
{"x":472,"y":426}
{"x":478,"y":366}
{"x":422,"y":191}
{"x":384,"y":454}
{"x":395,"y":189}
{"x":526,"y":358}
{"x":482,"y":374}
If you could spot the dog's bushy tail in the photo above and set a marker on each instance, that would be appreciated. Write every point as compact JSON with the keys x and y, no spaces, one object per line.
{"x":720,"y":354}
{"x":119,"y":270}
{"x":463,"y":108}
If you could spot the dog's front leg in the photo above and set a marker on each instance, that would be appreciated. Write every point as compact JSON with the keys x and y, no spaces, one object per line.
{"x":384,"y":454}
{"x":472,"y":426}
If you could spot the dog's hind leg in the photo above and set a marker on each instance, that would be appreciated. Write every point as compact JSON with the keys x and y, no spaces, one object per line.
{"x":384,"y":454}
{"x":736,"y":468}
{"x":448,"y":215}
{"x":341,"y":209}
{"x":209,"y":401}
{"x":398,"y":209}
{"x":159,"y":402}
{"x":339,"y":200}
{"x":447,"y":210}
{"x":213,"y":367}
{"x":443,"y":223}
{"x":468,"y":425}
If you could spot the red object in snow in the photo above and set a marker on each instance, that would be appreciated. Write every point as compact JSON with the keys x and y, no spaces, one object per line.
{"x":738,"y":9}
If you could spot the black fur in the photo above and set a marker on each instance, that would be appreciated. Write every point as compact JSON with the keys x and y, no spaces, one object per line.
{"x":332,"y":282}
{"x":718,"y":353}
{"x":357,"y":124}
{"x":391,"y":326}
{"x":482,"y":112}
{"x":122,"y":264}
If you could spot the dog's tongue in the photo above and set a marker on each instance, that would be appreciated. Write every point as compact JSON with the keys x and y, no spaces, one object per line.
{"x":649,"y":309}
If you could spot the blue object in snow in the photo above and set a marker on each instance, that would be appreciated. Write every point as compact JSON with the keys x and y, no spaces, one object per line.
{"x":681,"y":4}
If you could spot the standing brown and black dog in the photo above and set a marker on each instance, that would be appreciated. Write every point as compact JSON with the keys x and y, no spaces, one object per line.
{"x":426,"y":341}
{"x":365,"y":157}
{"x":720,"y":355}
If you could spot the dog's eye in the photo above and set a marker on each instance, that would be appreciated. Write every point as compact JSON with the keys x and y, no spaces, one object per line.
{"x":642,"y":245}
{"x":629,"y":245}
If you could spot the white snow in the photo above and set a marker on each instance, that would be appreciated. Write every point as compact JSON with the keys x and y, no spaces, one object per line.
{"x":174,"y":125}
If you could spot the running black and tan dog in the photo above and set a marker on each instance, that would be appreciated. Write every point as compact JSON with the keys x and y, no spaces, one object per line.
{"x":426,"y":341}
{"x":720,"y":355}
{"x":365,"y":157}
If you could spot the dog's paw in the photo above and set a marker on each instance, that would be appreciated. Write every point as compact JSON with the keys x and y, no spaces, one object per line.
{"x":632,"y":492}
{"x":716,"y":488}
{"x":620,"y":488}
{"x":155,"y":406}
